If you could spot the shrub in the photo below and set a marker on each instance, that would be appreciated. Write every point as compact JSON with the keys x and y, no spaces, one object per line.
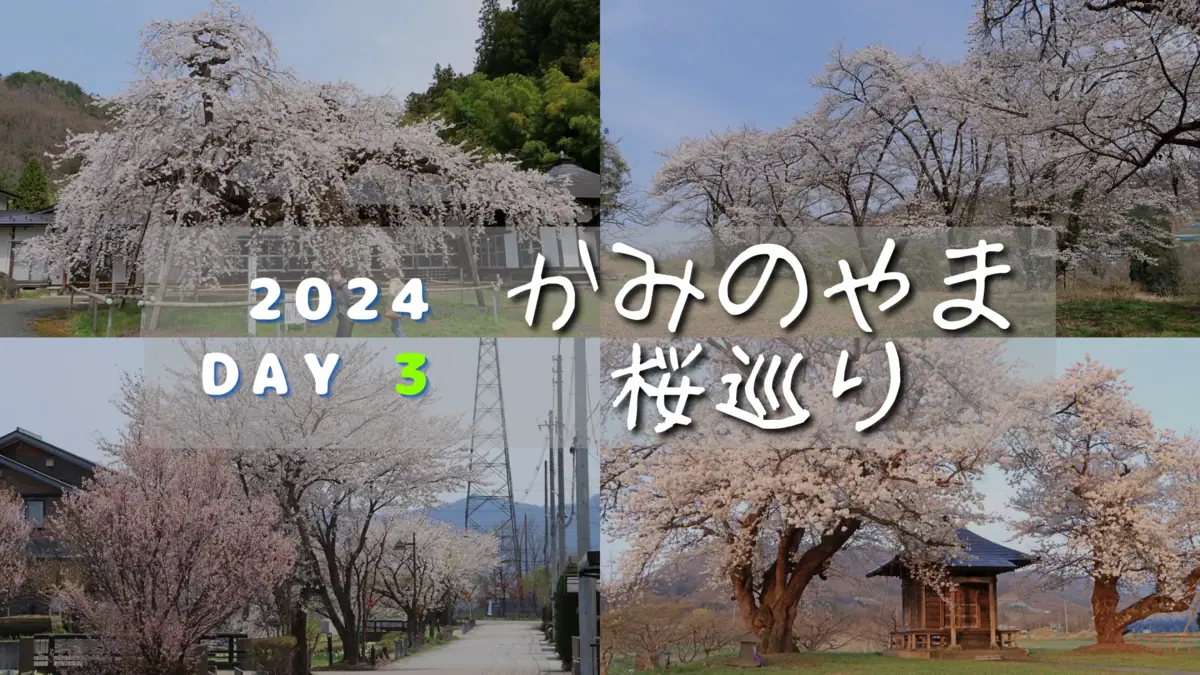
{"x":566,"y":619}
{"x":274,"y":654}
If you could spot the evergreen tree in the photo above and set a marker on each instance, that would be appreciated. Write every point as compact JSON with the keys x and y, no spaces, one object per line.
{"x":33,"y":187}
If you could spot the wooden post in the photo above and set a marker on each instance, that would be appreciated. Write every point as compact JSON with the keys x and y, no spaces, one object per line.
{"x":25,"y":657}
{"x":496,"y":301}
{"x":993,"y":611}
{"x":953,"y":613}
{"x":251,"y":275}
{"x":924,"y":619}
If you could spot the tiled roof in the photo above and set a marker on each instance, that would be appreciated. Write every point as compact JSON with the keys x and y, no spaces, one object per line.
{"x":36,"y":441}
{"x":979,"y":554}
{"x":584,"y":184}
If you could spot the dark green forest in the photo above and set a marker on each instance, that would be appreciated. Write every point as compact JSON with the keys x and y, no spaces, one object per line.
{"x":534,"y":92}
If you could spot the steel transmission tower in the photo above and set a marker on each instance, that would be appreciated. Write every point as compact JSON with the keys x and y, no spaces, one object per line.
{"x":489,"y":457}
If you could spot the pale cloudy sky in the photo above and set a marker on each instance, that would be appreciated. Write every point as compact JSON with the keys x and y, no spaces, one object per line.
{"x":381,"y":45}
{"x":63,"y":390}
{"x":675,"y":69}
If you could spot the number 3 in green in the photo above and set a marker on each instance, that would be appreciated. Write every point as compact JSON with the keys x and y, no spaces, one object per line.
{"x":412,"y":369}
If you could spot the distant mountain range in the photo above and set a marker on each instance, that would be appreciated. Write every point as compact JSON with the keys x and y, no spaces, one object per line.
{"x":488,"y":517}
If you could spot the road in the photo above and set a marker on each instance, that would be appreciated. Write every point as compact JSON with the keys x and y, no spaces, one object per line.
{"x":15,"y":315}
{"x":492,"y":648}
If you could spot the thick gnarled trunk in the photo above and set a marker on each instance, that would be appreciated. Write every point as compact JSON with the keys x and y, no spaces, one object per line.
{"x":1110,"y":629}
{"x":769,"y":607}
{"x":1111,"y":622}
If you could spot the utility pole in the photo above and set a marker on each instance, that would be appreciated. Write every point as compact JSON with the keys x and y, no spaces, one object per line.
{"x":551,"y":552}
{"x":559,"y":417}
{"x":583,"y":533}
{"x":546,"y":514}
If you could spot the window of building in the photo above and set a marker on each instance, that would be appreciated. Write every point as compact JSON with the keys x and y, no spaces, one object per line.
{"x":493,"y":254}
{"x":50,"y":461}
{"x":35,"y":512}
{"x":527,"y":252}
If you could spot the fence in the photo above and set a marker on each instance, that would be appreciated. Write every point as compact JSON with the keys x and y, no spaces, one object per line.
{"x":52,"y":652}
{"x":152,"y":306}
{"x":1167,"y":642}
{"x":10,"y":655}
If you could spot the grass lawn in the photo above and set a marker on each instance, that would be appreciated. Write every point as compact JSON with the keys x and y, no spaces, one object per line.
{"x":1128,"y":317}
{"x":849,"y":664}
{"x":450,"y":316}
{"x":1180,"y":660}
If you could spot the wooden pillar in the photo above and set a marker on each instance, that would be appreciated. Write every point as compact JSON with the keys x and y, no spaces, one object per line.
{"x":953,"y":612}
{"x":924,"y":619}
{"x":992,"y":609}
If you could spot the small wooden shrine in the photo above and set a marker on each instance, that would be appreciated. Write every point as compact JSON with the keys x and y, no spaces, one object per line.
{"x":967,"y":624}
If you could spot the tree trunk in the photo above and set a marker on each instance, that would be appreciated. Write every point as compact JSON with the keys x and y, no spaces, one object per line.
{"x":1110,"y":627}
{"x":350,"y":648}
{"x":300,"y":663}
{"x":472,"y":265}
{"x":776,"y":637}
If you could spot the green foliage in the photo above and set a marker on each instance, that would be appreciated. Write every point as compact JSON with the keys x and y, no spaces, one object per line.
{"x":566,"y":619}
{"x":274,"y":654}
{"x":536,"y":36}
{"x":539,"y":581}
{"x":536,"y":120}
{"x":1163,"y":274}
{"x":535,"y":92}
{"x":67,"y":92}
{"x":33,"y":187}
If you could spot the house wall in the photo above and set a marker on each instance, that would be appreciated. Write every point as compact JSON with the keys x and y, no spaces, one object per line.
{"x":43,"y":573}
{"x":15,"y":234}
{"x":34,"y":458}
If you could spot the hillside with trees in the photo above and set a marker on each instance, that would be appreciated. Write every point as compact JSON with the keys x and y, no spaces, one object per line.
{"x":37,"y":114}
{"x":534,"y":92}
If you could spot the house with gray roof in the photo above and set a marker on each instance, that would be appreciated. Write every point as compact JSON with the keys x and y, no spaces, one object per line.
{"x":41,"y":474}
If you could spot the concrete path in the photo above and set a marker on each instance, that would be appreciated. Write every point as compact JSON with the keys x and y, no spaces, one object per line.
{"x":492,"y":648}
{"x":15,"y":315}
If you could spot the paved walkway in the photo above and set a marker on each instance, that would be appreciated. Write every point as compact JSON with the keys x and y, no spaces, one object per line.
{"x":16,"y":314}
{"x":491,"y":648}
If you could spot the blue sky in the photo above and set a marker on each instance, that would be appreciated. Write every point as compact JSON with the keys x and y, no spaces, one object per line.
{"x":679,"y":68}
{"x":1161,"y":371}
{"x":381,"y":45}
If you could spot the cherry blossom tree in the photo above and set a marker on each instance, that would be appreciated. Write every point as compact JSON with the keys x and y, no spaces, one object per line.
{"x":1114,"y":78}
{"x":218,"y":136}
{"x":778,"y":507}
{"x":14,"y":542}
{"x":1110,"y":497}
{"x":447,"y":562}
{"x":334,"y":465}
{"x":168,"y":549}
{"x":1009,"y":136}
